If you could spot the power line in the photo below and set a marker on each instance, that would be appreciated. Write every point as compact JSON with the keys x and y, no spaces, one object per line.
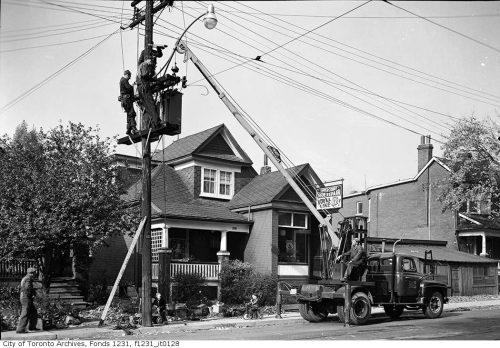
{"x":316,"y":28}
{"x":56,"y":34}
{"x":445,"y":27}
{"x":50,"y":45}
{"x":383,"y":59}
{"x":327,"y":71}
{"x":52,"y":76}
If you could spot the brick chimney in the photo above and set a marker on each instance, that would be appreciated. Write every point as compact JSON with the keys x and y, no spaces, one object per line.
{"x":424,"y":151}
{"x":266,"y":168}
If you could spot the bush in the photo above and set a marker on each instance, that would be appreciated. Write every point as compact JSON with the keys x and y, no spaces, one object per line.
{"x":188,"y":289}
{"x":98,"y":293}
{"x":239,"y":281}
{"x":10,"y":307}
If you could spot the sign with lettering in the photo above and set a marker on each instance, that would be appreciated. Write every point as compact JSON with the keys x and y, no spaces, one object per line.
{"x":329,"y":197}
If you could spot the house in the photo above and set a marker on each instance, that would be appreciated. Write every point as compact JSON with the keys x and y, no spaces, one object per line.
{"x":209,"y":204}
{"x":409,"y":210}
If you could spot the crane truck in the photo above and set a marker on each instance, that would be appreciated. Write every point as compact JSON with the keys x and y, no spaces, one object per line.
{"x":390,"y":280}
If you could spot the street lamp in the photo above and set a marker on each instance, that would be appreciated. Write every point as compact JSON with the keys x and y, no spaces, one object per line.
{"x":210,"y":22}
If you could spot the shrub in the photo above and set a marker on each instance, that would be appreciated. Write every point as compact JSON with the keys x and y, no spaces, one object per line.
{"x":188,"y":289}
{"x":98,"y":293}
{"x":10,"y":307}
{"x":239,"y":281}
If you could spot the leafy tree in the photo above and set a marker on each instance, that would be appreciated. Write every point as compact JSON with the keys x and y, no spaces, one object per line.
{"x":473,"y":155}
{"x":59,"y":193}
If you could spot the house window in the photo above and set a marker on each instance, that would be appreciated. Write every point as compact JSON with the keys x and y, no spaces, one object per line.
{"x":225,"y":183}
{"x":359,"y":208}
{"x":156,"y":242}
{"x":293,"y":245}
{"x":209,"y":180}
{"x":217,"y":183}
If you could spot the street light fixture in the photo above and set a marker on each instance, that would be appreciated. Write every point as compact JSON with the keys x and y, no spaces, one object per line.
{"x":210,"y":22}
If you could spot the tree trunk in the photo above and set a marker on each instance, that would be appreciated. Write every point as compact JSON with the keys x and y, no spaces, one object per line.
{"x":46,"y":271}
{"x":81,"y":265}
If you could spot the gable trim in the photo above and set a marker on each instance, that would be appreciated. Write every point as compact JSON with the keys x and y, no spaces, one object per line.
{"x":230,"y":141}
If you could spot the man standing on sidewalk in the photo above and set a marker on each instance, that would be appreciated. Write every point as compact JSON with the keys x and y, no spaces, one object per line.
{"x":28,"y":310}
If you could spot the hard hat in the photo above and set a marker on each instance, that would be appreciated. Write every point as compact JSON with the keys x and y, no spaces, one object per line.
{"x":127,"y":72}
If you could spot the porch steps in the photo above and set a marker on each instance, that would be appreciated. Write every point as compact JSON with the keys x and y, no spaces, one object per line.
{"x":66,"y":290}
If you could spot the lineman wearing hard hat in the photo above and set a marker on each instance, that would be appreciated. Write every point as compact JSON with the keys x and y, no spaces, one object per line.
{"x":127,"y":100}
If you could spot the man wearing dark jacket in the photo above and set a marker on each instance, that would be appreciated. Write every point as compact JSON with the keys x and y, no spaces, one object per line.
{"x":358,"y":258}
{"x":146,"y":83}
{"x":127,"y":100}
{"x":28,"y":310}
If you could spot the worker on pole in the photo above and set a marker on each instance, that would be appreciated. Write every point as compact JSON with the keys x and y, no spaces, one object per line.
{"x":146,"y":82}
{"x":127,"y":102}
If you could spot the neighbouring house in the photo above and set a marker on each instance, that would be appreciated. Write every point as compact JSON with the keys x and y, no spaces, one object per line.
{"x":468,"y":243}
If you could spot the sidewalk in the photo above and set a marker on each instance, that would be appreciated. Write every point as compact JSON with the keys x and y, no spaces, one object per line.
{"x":91,"y":330}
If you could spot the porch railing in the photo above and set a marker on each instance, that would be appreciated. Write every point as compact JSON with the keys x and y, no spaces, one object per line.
{"x":15,"y":269}
{"x":209,"y":271}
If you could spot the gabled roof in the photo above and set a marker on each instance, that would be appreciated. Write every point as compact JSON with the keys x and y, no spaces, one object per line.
{"x":196,"y":145}
{"x":437,"y":160}
{"x":171,"y":198}
{"x":267,"y":187}
{"x":469,"y":221}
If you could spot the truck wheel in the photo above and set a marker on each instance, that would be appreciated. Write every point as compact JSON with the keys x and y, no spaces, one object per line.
{"x":361,"y":308}
{"x":312,"y":312}
{"x":394,"y":312}
{"x":435,"y":306}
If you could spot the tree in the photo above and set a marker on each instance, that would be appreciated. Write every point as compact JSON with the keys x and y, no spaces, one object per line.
{"x":472,"y":152}
{"x":59,"y":193}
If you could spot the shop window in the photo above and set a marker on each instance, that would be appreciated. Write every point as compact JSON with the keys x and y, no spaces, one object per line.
{"x":293,"y":245}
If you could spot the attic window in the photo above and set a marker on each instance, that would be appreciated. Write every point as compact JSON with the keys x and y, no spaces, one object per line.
{"x":217,"y":183}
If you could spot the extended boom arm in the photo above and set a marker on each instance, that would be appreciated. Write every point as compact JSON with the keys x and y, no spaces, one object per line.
{"x":182,"y":47}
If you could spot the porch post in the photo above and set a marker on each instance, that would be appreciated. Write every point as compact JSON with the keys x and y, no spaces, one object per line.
{"x":222,"y":255}
{"x":483,"y":249}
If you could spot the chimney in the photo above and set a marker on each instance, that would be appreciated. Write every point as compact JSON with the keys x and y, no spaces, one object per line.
{"x":424,"y":151}
{"x":266,"y":168}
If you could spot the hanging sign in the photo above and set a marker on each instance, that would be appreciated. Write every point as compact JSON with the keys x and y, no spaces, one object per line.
{"x":329,"y":197}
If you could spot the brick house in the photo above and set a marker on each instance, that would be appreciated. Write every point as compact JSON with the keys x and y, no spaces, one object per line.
{"x":409,"y":210}
{"x":209,"y":204}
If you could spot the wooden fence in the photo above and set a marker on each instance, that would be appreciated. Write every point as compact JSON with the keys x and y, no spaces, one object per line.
{"x":15,"y":269}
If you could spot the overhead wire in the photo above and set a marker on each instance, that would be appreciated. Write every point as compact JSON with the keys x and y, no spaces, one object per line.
{"x":313,"y":64}
{"x":53,"y":75}
{"x":335,"y":74}
{"x":445,"y":27}
{"x":294,"y":25}
{"x":239,"y":65}
{"x":316,"y":28}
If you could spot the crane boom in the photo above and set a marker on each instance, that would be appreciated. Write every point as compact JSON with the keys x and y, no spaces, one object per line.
{"x":189,"y":55}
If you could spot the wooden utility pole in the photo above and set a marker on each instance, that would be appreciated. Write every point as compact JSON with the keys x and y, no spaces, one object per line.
{"x":146,"y":187}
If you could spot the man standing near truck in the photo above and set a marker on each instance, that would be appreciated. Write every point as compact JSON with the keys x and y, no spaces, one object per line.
{"x":357,"y":262}
{"x":29,"y":315}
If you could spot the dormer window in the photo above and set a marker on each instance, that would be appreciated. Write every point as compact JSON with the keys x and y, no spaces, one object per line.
{"x":217,"y":183}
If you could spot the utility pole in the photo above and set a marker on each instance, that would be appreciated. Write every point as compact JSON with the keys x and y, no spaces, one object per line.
{"x":146,"y":187}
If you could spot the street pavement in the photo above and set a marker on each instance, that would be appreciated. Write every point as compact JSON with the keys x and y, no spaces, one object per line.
{"x":92,"y":331}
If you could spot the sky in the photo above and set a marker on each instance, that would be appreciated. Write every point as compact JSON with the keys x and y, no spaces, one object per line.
{"x":347,"y":86}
